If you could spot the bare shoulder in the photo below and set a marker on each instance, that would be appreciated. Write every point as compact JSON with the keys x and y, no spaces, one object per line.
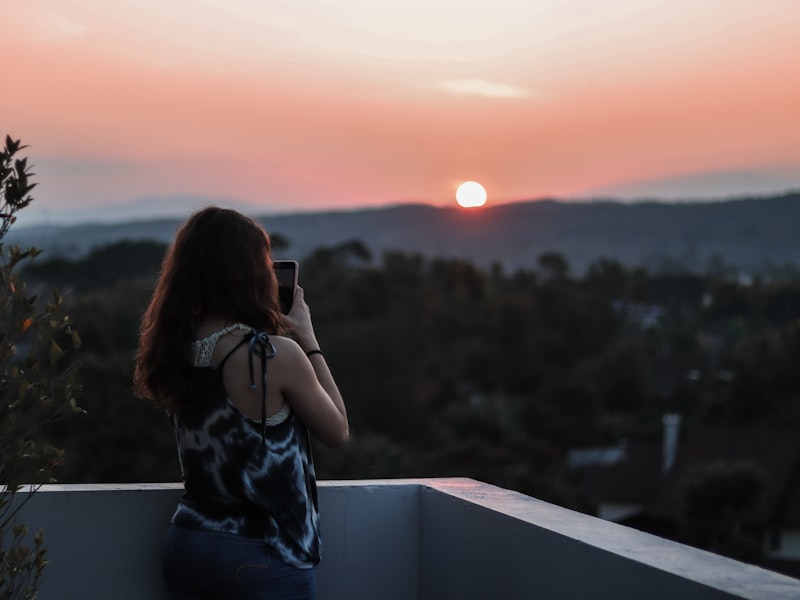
{"x":287,"y":350}
{"x":286,"y":347}
{"x":290,"y":367}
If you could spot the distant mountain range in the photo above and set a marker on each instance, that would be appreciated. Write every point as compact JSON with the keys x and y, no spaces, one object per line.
{"x":751,"y":234}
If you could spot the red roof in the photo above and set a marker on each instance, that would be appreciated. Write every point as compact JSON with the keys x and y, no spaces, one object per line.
{"x":776,"y":452}
{"x":637,"y":479}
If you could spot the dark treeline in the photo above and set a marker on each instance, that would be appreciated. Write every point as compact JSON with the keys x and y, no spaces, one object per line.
{"x":452,"y":370}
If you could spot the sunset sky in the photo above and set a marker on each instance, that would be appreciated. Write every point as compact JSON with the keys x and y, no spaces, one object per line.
{"x":283,"y":105}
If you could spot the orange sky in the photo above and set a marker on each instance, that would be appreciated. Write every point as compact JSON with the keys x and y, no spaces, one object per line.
{"x":287,"y":105}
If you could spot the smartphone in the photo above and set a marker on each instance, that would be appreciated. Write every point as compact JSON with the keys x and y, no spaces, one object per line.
{"x":286,"y":273}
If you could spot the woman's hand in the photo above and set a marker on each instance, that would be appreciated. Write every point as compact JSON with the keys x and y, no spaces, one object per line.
{"x":298,"y":322}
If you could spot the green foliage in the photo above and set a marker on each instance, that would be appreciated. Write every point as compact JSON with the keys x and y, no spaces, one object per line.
{"x":107,"y":308}
{"x":440,"y":361}
{"x":116,"y":263}
{"x":22,"y":565}
{"x":767,"y":379}
{"x":37,"y":387}
{"x":15,"y":186}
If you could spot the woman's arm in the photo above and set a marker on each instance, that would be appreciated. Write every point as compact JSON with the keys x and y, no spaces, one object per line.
{"x":309,"y":386}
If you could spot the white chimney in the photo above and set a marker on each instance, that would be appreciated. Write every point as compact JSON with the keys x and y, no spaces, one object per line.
{"x":672,"y":426}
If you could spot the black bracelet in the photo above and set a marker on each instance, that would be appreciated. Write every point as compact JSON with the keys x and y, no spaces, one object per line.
{"x":315,"y":351}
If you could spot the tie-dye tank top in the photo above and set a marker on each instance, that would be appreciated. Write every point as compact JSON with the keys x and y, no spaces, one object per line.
{"x":241,"y":476}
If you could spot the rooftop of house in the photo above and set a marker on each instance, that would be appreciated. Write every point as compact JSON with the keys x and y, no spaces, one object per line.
{"x":638,"y":477}
{"x":775,"y":452}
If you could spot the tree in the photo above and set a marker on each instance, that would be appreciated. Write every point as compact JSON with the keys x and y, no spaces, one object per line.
{"x":37,"y":385}
{"x":713,"y":500}
{"x":554,"y":265}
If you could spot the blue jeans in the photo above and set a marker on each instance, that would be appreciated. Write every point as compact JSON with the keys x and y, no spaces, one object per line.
{"x":207,"y":565}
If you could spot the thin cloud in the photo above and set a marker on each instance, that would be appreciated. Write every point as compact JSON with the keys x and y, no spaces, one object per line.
{"x":59,"y":25}
{"x":481,"y":87}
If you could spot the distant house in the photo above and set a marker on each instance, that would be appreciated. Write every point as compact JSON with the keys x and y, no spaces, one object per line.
{"x":643,"y":488}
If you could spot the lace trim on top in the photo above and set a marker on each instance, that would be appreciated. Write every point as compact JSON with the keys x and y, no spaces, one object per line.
{"x":204,"y":348}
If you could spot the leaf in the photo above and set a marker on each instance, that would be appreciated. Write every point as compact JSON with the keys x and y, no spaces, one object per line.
{"x":27,"y":323}
{"x":55,"y":352}
{"x":76,"y":340}
{"x":11,"y":145}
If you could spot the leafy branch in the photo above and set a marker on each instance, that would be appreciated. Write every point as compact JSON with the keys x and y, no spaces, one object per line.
{"x":37,"y":386}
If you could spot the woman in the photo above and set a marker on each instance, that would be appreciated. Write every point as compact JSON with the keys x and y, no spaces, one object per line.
{"x":247,"y":525}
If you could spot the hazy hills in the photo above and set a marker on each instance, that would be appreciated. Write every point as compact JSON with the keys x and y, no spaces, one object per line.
{"x":751,"y":234}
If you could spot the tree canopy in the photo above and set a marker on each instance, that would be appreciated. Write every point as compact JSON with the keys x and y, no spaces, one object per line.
{"x":449,"y":369}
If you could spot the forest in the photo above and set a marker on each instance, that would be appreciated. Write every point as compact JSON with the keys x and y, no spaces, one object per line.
{"x":453,"y":370}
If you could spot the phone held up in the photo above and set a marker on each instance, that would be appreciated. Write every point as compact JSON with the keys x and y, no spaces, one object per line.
{"x":286,"y":273}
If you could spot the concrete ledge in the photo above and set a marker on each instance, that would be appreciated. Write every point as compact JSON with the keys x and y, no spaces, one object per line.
{"x":400,"y":540}
{"x":526,"y":548}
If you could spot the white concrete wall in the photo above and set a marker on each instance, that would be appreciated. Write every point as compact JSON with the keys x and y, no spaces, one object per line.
{"x":102,"y":541}
{"x":370,"y":540}
{"x":479,"y":541}
{"x":400,"y":540}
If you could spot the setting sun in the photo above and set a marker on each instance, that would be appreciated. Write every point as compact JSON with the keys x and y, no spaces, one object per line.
{"x":471,"y":194}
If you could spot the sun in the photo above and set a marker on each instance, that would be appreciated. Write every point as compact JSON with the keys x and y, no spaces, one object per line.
{"x":471,"y":194}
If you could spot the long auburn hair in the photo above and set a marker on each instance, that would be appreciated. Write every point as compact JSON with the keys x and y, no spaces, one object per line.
{"x":219,"y":265}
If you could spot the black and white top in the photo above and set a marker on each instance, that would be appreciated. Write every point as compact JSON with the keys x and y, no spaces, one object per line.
{"x":241,"y":476}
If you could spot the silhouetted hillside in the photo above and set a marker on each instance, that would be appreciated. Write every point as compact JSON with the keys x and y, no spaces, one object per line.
{"x":753,"y":235}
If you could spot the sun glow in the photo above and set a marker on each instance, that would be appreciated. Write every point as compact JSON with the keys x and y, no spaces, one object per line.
{"x":471,"y":194}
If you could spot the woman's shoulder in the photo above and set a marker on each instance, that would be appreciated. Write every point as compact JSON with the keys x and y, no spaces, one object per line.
{"x":285,"y":345}
{"x":284,"y":358}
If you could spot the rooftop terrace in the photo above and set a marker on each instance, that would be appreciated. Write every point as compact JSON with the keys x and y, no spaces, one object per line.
{"x":400,"y":540}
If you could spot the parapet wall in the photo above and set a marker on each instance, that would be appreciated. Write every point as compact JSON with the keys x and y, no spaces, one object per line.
{"x":432,"y":539}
